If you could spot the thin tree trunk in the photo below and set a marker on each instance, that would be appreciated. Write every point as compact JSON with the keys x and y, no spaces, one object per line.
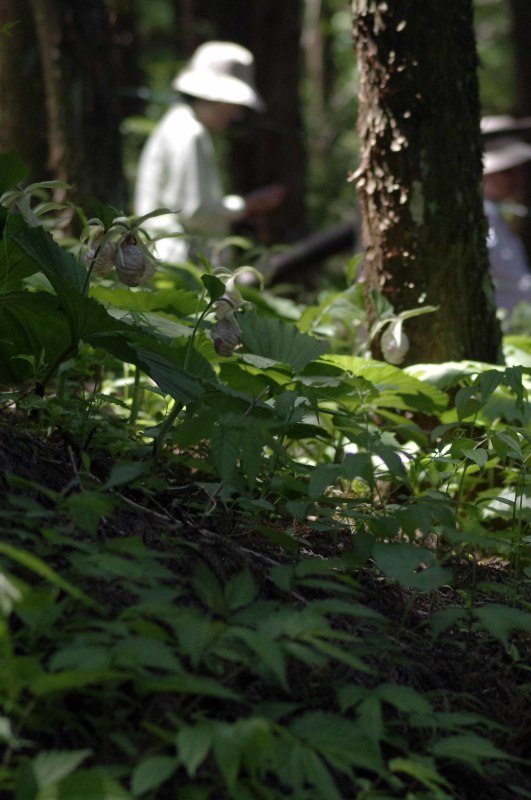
{"x":419,"y":178}
{"x":81,"y":98}
{"x":269,"y":147}
{"x":278,"y":147}
{"x":21,"y":93}
{"x":48,"y":25}
{"x":521,"y":27}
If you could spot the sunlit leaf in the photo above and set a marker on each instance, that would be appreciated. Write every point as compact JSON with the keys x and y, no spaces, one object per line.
{"x":279,"y":341}
{"x":397,"y":388}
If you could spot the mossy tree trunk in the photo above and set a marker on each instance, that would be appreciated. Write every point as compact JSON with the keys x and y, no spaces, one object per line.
{"x":419,"y":177}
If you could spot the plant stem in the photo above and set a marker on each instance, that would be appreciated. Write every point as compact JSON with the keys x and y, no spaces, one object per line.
{"x":40,"y":386}
{"x":136,"y":399}
{"x":177,"y":407}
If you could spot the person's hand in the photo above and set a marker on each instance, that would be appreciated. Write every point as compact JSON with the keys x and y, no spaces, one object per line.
{"x":260,"y":201}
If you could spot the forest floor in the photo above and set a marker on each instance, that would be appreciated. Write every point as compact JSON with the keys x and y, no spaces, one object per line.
{"x":476,"y":673}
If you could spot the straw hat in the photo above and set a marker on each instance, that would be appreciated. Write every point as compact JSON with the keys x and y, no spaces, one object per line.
{"x":504,"y":154}
{"x":223,"y":72}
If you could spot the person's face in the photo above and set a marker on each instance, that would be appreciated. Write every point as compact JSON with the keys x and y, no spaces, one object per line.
{"x":504,"y":185}
{"x":217,"y":116}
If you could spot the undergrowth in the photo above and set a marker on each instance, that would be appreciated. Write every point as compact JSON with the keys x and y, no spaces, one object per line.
{"x":240,"y":558}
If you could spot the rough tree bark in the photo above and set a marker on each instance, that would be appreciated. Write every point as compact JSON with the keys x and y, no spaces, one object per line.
{"x":419,"y":177}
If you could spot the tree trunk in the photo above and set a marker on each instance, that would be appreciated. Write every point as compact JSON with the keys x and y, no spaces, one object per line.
{"x":271,"y":148}
{"x":81,"y":98}
{"x":521,"y":25}
{"x":21,"y":93}
{"x":419,"y":178}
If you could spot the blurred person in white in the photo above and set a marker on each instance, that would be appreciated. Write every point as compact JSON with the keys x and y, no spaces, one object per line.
{"x":503,"y":175}
{"x":178,"y":168}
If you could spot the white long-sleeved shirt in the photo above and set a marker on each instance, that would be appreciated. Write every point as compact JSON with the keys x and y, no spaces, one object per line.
{"x":178,"y":170}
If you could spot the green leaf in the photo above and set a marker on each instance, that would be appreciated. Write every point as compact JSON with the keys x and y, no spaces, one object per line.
{"x":140,"y":652}
{"x":489,"y":381}
{"x":500,"y":620}
{"x":478,"y":455}
{"x":61,"y":268}
{"x":341,"y":654}
{"x":13,"y":169}
{"x":317,"y":774}
{"x":87,"y":508}
{"x":405,"y":563}
{"x":179,"y":302}
{"x":66,"y":680}
{"x":88,"y":785}
{"x":440,"y":621}
{"x":280,"y":341}
{"x":241,"y":590}
{"x":424,"y":772}
{"x":6,"y":732}
{"x":10,"y":594}
{"x":15,"y":265}
{"x":396,"y":387}
{"x":506,"y":444}
{"x":172,"y":379}
{"x":193,"y":745}
{"x":125,"y":473}
{"x":214,"y":286}
{"x":52,"y":766}
{"x":40,"y":568}
{"x":151,"y":772}
{"x":31,"y":324}
{"x":246,"y":741}
{"x":225,"y":449}
{"x":188,"y":684}
{"x":81,"y":657}
{"x":343,"y":743}
{"x":323,"y":476}
{"x":228,"y":746}
{"x":469,"y":749}
{"x":102,"y":211}
{"x":269,"y":654}
{"x":208,"y":589}
{"x":404,"y":698}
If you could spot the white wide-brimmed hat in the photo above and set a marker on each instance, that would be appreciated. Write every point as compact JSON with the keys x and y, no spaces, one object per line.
{"x":502,"y":154}
{"x":223,"y":72}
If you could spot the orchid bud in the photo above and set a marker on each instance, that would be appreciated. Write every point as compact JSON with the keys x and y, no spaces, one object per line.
{"x":225,"y":306}
{"x":225,"y":335}
{"x":133,"y":265}
{"x":102,"y":258}
{"x":394,"y":344}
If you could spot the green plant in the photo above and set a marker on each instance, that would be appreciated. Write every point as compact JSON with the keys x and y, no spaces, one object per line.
{"x":315,"y":588}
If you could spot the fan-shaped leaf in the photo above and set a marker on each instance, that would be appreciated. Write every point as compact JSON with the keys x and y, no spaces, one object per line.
{"x":279,"y":341}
